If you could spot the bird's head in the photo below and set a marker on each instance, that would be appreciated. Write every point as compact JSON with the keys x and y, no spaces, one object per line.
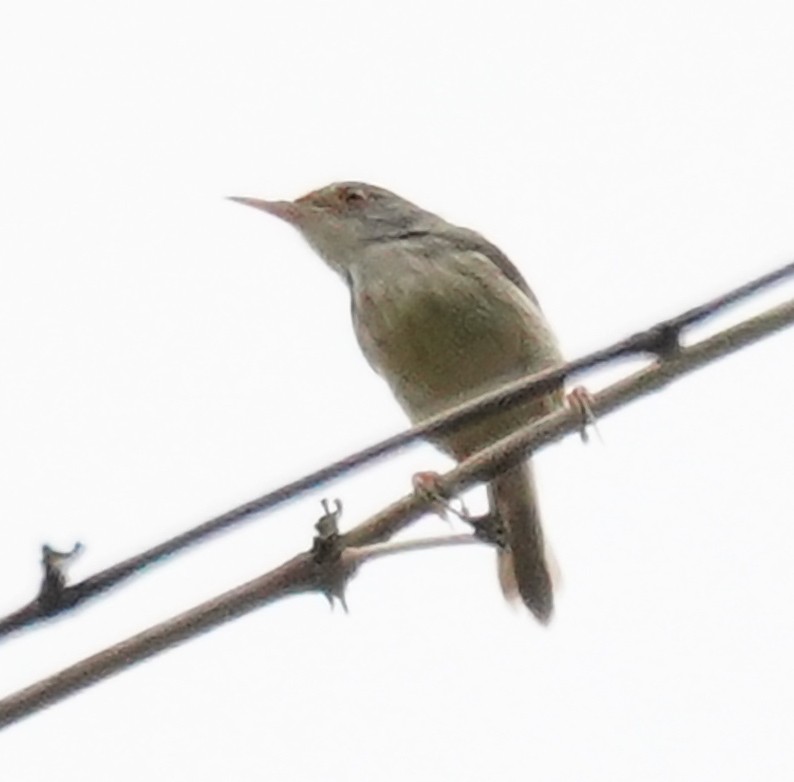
{"x":344,"y":218}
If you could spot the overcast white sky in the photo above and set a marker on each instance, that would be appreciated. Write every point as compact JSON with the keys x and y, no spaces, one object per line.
{"x":166,"y":354}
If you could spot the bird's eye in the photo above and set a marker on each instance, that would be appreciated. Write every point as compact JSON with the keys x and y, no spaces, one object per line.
{"x":352,"y":196}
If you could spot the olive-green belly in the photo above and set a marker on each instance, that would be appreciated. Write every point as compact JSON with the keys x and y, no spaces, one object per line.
{"x":437,"y":350}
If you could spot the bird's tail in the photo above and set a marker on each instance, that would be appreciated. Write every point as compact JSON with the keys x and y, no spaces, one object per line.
{"x":523,"y":570}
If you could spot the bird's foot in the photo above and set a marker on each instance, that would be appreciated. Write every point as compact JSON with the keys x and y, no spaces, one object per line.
{"x":489,"y":528}
{"x":427,"y":486}
{"x":580,"y":399}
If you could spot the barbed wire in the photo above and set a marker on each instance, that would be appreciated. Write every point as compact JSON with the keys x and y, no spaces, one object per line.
{"x":661,"y":339}
{"x":334,"y":558}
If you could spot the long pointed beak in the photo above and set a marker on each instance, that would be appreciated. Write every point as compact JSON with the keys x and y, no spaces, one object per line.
{"x":286,"y":210}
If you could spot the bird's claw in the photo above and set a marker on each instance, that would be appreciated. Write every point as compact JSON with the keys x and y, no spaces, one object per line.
{"x":489,"y":529}
{"x":427,"y":486}
{"x":580,"y":399}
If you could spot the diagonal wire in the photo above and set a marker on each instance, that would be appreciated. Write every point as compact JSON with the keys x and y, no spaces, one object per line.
{"x":303,"y":573}
{"x":661,"y":339}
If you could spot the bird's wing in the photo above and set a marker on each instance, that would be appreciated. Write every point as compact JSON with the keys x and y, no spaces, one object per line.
{"x":465,"y":239}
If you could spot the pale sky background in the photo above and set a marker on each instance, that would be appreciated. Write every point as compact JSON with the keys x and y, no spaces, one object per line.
{"x":166,"y":355}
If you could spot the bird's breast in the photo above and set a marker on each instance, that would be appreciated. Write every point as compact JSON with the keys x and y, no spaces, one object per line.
{"x":440,"y":334}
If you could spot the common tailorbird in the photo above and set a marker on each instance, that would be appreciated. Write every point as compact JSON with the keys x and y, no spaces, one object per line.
{"x":443,"y":316}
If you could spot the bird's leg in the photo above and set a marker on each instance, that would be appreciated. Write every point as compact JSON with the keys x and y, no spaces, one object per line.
{"x":487,"y":527}
{"x":427,"y":486}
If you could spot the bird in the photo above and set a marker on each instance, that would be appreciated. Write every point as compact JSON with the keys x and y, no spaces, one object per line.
{"x":443,"y":316}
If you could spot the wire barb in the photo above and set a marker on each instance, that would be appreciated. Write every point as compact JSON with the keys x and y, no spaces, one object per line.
{"x":333,"y":573}
{"x":53,"y":583}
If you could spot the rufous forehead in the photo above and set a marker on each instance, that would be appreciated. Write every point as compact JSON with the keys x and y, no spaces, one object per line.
{"x":308,"y":197}
{"x":321,"y":194}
